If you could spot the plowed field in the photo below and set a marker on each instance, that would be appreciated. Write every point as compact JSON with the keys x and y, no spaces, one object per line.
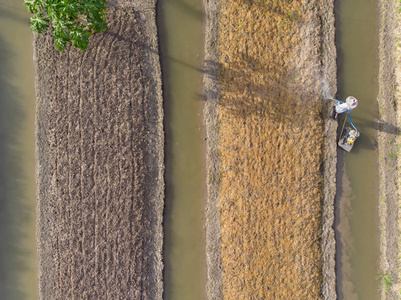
{"x":100,"y":162}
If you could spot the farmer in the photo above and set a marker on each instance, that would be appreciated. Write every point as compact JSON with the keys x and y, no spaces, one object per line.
{"x":349,"y":104}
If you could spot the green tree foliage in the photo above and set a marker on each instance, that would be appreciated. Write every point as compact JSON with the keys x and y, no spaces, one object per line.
{"x":70,"y":20}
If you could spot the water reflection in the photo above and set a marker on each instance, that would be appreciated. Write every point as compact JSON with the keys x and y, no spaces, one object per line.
{"x":357,"y":189}
{"x":181,"y":48}
{"x":18,"y":270}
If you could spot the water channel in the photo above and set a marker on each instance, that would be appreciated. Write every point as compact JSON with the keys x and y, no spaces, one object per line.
{"x":18,"y":263}
{"x":356,"y":222}
{"x":181,"y":30}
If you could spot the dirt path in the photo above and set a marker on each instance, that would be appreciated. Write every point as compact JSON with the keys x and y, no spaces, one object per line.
{"x":100,"y":162}
{"x":271,"y":150}
{"x":389,"y":142}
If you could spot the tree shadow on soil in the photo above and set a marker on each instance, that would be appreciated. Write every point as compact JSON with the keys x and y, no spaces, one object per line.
{"x":15,"y":214}
{"x":275,"y":96}
{"x":147,"y":47}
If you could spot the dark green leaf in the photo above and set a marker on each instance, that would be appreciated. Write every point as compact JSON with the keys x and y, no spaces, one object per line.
{"x":71,"y":20}
{"x":39,"y":23}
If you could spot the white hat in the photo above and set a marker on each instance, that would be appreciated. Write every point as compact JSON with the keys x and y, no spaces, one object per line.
{"x":351,"y":101}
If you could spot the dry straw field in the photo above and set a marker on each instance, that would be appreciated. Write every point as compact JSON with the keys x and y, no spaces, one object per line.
{"x":270,"y":128}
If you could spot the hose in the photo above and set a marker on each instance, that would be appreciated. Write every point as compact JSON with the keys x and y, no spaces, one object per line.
{"x":349,"y":116}
{"x":337,"y":100}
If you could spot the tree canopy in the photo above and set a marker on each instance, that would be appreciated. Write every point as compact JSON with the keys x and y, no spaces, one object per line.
{"x":70,"y":20}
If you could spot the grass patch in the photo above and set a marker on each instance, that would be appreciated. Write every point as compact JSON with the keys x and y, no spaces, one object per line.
{"x":385,"y":279}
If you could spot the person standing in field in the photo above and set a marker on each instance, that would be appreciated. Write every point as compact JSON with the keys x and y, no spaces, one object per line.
{"x":349,"y":104}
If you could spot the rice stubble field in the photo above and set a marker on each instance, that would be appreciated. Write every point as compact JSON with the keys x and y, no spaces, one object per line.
{"x":270,"y":143}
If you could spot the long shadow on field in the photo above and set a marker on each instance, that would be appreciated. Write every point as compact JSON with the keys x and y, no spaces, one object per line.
{"x":147,"y":47}
{"x":14,"y":215}
{"x":250,"y":88}
{"x":381,"y":126}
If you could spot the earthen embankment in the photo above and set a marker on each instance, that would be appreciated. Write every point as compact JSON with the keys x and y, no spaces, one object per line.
{"x":389,"y":142}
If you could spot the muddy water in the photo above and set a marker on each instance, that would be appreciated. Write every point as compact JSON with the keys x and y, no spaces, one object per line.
{"x":357,"y":193}
{"x":181,"y":28}
{"x":18,"y":270}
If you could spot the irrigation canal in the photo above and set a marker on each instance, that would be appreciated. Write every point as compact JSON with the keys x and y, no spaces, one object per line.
{"x":18,"y":262}
{"x":356,"y":221}
{"x":181,"y":30}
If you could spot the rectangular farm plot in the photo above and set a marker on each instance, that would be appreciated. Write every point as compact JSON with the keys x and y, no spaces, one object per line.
{"x":271,"y":150}
{"x":100,"y":163}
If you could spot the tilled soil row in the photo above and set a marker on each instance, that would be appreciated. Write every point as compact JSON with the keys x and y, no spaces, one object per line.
{"x":271,"y":149}
{"x":100,"y":162}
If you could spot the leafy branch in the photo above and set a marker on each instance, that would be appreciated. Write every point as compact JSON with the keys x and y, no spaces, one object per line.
{"x":70,"y":20}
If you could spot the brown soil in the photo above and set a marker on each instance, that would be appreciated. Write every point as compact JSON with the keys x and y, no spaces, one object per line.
{"x":389,"y":141}
{"x":270,"y":190}
{"x":100,"y":162}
